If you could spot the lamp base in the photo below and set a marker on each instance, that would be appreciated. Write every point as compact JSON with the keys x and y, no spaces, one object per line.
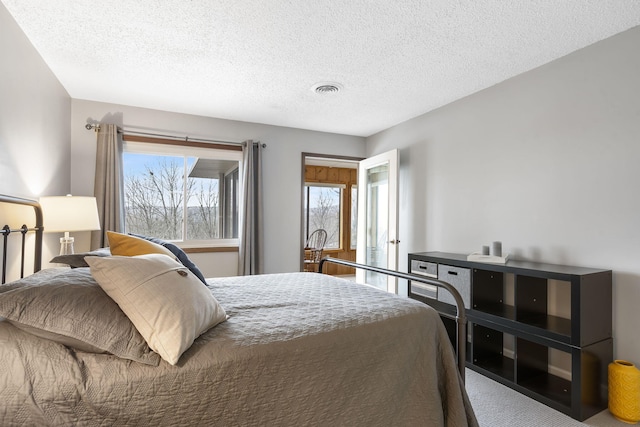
{"x":66,"y":245}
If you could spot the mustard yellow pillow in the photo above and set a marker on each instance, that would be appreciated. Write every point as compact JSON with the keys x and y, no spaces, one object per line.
{"x":125,"y":245}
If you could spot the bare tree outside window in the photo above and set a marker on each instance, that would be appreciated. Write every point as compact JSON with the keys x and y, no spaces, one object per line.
{"x":156,"y":196}
{"x":323,"y":211}
{"x":203,"y":219}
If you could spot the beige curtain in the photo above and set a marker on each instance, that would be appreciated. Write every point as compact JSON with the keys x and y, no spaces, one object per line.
{"x":251,"y":225}
{"x":109,"y":184}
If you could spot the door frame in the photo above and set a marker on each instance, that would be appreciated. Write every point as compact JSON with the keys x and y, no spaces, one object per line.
{"x":305,"y":155}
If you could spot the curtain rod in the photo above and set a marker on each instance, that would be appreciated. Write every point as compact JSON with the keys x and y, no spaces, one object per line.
{"x":96,"y":127}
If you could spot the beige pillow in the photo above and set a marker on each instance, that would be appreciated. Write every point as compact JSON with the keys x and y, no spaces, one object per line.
{"x":125,"y":245}
{"x":164,"y":300}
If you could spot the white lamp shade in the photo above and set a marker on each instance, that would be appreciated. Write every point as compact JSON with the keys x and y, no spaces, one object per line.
{"x":69,"y":213}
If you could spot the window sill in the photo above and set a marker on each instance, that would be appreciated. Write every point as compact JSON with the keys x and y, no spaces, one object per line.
{"x":335,"y":250}
{"x":206,"y":249}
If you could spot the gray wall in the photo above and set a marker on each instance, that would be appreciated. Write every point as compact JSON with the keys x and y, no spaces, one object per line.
{"x":547,"y":162}
{"x":35,"y":115}
{"x":34,"y":119}
{"x":282,"y":165}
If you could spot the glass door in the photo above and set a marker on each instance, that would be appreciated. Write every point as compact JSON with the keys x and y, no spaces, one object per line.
{"x":377,"y":219}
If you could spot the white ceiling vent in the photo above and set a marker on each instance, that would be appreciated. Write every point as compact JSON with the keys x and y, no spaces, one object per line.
{"x":326,"y":88}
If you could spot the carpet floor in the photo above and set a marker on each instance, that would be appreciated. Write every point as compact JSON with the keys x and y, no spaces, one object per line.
{"x":496,"y":405}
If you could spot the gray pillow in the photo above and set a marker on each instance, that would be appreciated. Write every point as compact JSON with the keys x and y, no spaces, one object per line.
{"x":77,"y":260}
{"x":68,"y":306}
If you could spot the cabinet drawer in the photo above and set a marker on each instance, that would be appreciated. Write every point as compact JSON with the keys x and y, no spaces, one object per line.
{"x":424,"y":268}
{"x":424,"y":290}
{"x":459,"y":278}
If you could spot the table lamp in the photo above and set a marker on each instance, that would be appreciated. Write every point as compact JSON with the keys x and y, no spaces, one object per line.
{"x":69,"y":213}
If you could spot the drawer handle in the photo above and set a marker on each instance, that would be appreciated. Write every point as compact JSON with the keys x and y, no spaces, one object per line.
{"x":422,"y":267}
{"x":453,"y":273}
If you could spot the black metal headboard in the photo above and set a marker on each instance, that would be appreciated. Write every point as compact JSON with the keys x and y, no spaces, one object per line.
{"x":36,"y":228}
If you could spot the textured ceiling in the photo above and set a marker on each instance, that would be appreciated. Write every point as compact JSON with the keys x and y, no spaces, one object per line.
{"x":257,"y":60}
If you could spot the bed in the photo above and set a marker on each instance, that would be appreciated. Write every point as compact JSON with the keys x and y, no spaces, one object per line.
{"x":292,"y":349}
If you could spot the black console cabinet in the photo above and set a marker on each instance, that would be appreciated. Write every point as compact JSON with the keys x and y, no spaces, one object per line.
{"x":544,"y":330}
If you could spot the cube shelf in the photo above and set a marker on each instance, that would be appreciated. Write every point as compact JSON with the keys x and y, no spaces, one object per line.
{"x":544,"y":330}
{"x":488,"y":352}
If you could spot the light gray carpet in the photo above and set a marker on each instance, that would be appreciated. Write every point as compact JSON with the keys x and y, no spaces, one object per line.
{"x":498,"y":406}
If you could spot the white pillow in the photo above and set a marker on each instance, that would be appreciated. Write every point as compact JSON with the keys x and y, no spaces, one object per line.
{"x":167,"y":304}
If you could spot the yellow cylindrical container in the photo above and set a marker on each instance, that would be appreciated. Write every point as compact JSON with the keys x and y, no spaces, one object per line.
{"x":624,"y":391}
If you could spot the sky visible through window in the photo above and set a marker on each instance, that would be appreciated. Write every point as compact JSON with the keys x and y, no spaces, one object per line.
{"x":136,"y":164}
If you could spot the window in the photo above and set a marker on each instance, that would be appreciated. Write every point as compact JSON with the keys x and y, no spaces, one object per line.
{"x":322,"y":210}
{"x":181,"y":193}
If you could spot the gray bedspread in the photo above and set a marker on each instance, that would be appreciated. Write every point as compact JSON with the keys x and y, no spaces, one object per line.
{"x":299,"y":349}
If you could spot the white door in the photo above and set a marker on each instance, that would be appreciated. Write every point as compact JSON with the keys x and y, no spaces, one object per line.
{"x":378,"y":219}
